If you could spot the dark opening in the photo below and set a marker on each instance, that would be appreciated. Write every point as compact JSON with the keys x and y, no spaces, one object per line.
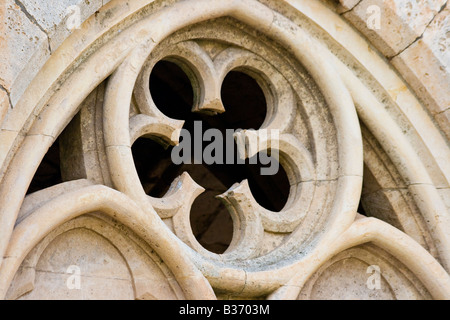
{"x":171,"y":90}
{"x":244,"y":102}
{"x":246,"y":108}
{"x":48,"y":173}
{"x":361,"y":209}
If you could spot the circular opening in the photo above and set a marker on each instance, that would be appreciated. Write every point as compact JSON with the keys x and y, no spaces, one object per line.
{"x":246,"y":108}
{"x":244,"y":102}
{"x":49,"y":171}
{"x":154,"y":166}
{"x":210,"y":220}
{"x":171,"y":90}
{"x":271,"y":189}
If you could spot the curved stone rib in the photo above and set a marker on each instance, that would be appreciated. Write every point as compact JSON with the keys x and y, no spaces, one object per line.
{"x":35,"y":227}
{"x":277,"y":90}
{"x":375,"y":66}
{"x":34,"y":147}
{"x":285,"y":279}
{"x":37,"y":199}
{"x":297,"y":162}
{"x":181,"y":219}
{"x":161,"y":129}
{"x":248,"y":230}
{"x":198,"y":66}
{"x":209,"y":91}
{"x":126,"y":246}
{"x":401,"y":246}
{"x":390,"y":136}
{"x":183,"y":190}
{"x":256,"y":15}
{"x":178,"y":200}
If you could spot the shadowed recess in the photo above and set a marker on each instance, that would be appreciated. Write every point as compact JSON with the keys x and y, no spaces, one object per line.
{"x":48,"y":173}
{"x":246,"y":108}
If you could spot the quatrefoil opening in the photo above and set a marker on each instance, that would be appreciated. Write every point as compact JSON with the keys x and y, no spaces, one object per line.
{"x":245,"y":107}
{"x":295,"y":109}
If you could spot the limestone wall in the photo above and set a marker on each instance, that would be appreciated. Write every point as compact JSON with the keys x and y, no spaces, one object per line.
{"x":413,"y":36}
{"x":359,"y":91}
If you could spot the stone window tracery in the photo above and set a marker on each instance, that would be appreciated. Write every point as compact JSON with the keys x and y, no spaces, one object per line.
{"x":116,"y":111}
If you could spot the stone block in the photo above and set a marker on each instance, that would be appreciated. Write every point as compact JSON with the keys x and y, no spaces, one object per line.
{"x":57,"y":17}
{"x":443,"y":120}
{"x":4,"y":105}
{"x":346,"y":5}
{"x":20,"y":39}
{"x":392,"y":25}
{"x":425,"y":65}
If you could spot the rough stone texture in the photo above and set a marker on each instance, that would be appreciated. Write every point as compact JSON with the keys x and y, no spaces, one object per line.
{"x":346,"y":5}
{"x":402,"y":22}
{"x":104,"y":274}
{"x":347,"y":122}
{"x":53,"y":16}
{"x":88,"y":259}
{"x":31,"y":31}
{"x":24,"y":49}
{"x":443,"y":119}
{"x":4,"y":104}
{"x":345,"y":277}
{"x":426,"y":63}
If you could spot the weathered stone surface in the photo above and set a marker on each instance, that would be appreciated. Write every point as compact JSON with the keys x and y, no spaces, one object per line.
{"x":31,"y":30}
{"x":335,"y":113}
{"x":401,"y":22}
{"x":360,"y":273}
{"x":443,"y":120}
{"x":6,"y":139}
{"x":346,"y":280}
{"x":55,"y":17}
{"x":24,"y":49}
{"x":100,"y":264}
{"x":426,"y":65}
{"x":346,"y":5}
{"x":4,"y":104}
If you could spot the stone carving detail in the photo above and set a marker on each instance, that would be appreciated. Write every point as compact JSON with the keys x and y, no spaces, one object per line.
{"x":254,"y":224}
{"x":323,"y":101}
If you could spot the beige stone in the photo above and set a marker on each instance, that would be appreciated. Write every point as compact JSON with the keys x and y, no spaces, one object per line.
{"x":428,"y":59}
{"x":23,"y":53}
{"x":443,"y":119}
{"x":345,"y":277}
{"x":4,"y":104}
{"x":401,"y":22}
{"x":346,"y":5}
{"x":351,"y":132}
{"x":55,"y":18}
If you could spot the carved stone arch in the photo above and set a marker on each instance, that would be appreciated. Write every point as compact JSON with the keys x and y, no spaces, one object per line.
{"x":320,"y":82}
{"x":338,"y":278}
{"x":53,"y":213}
{"x":149,"y":277}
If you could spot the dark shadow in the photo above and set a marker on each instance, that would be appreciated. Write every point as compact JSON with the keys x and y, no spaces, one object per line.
{"x":48,"y":173}
{"x":246,"y":108}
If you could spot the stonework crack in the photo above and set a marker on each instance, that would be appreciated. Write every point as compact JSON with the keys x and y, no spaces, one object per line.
{"x":34,"y":21}
{"x":8,"y":94}
{"x":421,"y":36}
